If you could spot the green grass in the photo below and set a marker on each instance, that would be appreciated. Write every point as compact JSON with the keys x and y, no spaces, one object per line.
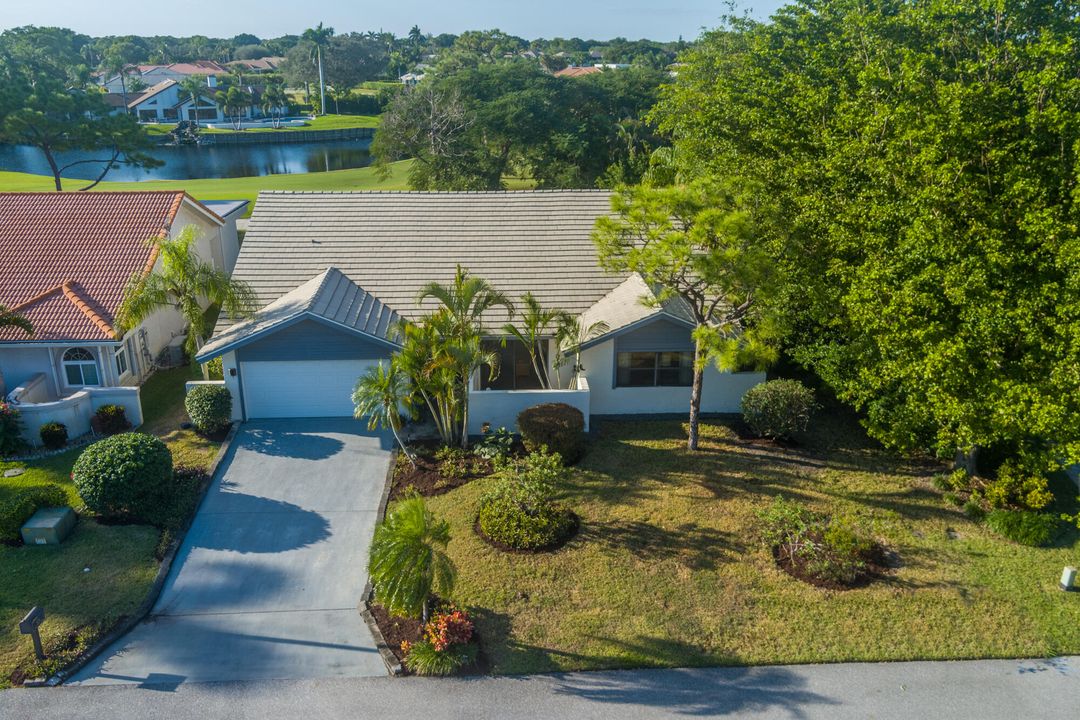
{"x":667,"y":569}
{"x":322,"y":122}
{"x":78,"y":605}
{"x":245,"y":188}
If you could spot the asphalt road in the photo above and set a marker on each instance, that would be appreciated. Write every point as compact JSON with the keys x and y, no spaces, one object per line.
{"x":987,"y":690}
{"x":267,"y":582}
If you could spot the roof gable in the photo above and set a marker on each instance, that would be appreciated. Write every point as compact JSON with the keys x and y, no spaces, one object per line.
{"x":632,"y":304}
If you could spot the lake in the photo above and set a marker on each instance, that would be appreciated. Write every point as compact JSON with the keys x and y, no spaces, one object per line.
{"x":207,"y":161}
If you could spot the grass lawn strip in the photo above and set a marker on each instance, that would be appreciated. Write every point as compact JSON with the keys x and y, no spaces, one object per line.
{"x":81,"y":605}
{"x":323,"y":122}
{"x":667,"y":569}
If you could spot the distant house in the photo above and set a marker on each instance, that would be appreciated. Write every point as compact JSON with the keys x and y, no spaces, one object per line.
{"x":573,"y":72}
{"x":169,"y":102}
{"x":258,"y":66}
{"x":154,"y":74}
{"x":67,"y":259}
{"x":411,"y":79}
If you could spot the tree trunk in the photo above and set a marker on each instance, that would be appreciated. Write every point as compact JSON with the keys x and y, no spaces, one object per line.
{"x":967,"y":459}
{"x":695,"y":399}
{"x":53,"y":167}
{"x":322,"y":85}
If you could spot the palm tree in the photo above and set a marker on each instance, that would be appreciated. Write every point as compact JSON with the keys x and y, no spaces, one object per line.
{"x":379,"y":395}
{"x":183,"y":282}
{"x":536,"y":325}
{"x":273,"y":99}
{"x":460,"y":328}
{"x":233,"y":101}
{"x":115,"y":63}
{"x":569,"y":338}
{"x":319,"y":37}
{"x":434,"y":382}
{"x":10,"y":318}
{"x":194,"y":85}
{"x":408,"y":561}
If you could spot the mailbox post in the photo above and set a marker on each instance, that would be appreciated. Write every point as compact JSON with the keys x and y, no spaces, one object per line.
{"x":29,"y":626}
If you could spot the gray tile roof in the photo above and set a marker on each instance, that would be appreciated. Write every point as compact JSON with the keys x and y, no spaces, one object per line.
{"x":392,"y":243}
{"x":330,"y":295}
{"x":631,"y":302}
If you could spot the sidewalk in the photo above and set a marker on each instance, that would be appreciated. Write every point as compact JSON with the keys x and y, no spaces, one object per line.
{"x":984,"y":689}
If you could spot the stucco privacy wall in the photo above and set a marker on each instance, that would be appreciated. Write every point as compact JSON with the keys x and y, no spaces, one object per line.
{"x":76,"y":410}
{"x":720,"y":393}
{"x":501,"y":407}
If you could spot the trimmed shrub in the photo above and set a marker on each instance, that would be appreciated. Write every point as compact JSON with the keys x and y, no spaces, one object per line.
{"x":518,"y":511}
{"x":18,"y":509}
{"x":209,"y":407}
{"x":111,"y":420}
{"x":557,"y":426}
{"x":127,"y":476}
{"x":777,"y":409}
{"x":1023,"y":526}
{"x":11,"y":439}
{"x":54,"y":435}
{"x":1016,"y":486}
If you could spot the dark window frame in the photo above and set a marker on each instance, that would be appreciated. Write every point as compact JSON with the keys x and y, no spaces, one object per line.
{"x":684,"y":370}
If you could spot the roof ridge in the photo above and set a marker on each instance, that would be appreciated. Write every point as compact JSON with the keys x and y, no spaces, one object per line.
{"x":84,"y":307}
{"x":532,"y":191}
{"x":40,"y":296}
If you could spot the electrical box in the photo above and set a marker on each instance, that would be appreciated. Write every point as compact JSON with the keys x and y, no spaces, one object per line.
{"x":48,"y":526}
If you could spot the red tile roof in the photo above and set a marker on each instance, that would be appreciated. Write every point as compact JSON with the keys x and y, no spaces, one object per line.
{"x":67,"y":257}
{"x":577,"y":71}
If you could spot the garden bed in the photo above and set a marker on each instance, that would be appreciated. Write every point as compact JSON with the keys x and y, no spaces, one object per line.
{"x":875,"y":567}
{"x":426,"y":478}
{"x":399,"y":632}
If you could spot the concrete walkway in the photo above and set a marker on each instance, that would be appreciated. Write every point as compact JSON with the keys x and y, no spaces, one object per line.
{"x":269,"y":578}
{"x":1006,"y":689}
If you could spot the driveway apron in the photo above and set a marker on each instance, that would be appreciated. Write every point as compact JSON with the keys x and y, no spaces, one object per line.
{"x":269,"y":578}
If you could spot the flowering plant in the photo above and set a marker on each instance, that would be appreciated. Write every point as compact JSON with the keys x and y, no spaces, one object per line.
{"x":449,"y":628}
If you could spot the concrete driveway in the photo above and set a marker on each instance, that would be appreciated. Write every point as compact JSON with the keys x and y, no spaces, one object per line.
{"x":269,"y":578}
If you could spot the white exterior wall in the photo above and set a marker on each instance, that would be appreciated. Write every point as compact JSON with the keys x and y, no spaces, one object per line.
{"x":720,"y":393}
{"x":229,"y":367}
{"x":500,"y":408}
{"x":76,"y":410}
{"x":19,"y":364}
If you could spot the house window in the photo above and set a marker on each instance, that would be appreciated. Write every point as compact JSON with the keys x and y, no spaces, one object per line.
{"x":651,"y":369}
{"x":80,"y":368}
{"x":121,"y":361}
{"x":515,"y":367}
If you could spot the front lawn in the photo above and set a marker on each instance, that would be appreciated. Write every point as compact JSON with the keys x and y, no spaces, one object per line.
{"x":667,"y":569}
{"x":80,"y":604}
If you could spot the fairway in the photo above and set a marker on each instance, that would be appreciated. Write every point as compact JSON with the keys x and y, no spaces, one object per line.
{"x":244,"y":188}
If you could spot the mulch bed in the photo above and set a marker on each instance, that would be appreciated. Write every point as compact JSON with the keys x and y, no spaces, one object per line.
{"x":396,"y":630}
{"x":425,"y":478}
{"x":879,"y":562}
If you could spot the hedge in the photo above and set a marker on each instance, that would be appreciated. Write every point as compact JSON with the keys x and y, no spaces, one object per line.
{"x":17,"y":510}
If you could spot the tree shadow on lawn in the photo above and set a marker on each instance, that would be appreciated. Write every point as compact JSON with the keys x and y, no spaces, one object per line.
{"x":694,"y":546}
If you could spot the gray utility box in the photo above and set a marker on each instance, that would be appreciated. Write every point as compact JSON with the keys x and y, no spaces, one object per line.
{"x":49,"y":526}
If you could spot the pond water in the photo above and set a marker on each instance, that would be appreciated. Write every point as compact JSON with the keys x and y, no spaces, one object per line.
{"x":206,"y":161}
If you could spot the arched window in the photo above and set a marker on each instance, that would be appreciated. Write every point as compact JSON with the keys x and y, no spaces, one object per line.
{"x":80,"y":368}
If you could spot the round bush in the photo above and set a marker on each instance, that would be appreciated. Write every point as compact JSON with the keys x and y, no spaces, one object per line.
{"x":111,"y":419}
{"x":126,"y":476}
{"x":209,"y":407}
{"x":778,"y":408}
{"x":507,"y":523}
{"x":54,"y":435}
{"x":558,"y":426}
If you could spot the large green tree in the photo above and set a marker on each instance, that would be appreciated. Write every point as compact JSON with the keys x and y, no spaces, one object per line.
{"x":46,"y":102}
{"x":925,"y":157}
{"x":704,"y":245}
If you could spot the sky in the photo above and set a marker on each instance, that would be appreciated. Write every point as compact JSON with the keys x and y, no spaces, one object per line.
{"x":592,"y":19}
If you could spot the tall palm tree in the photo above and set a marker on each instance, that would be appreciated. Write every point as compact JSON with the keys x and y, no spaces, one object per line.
{"x":183,"y":282}
{"x":319,"y":36}
{"x":407,"y":561}
{"x":379,"y":396}
{"x":461,"y":330}
{"x":537,"y":324}
{"x":194,"y":86}
{"x":10,"y":318}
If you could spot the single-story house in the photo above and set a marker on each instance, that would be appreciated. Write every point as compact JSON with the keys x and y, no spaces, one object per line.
{"x":67,"y":259}
{"x":154,"y":74}
{"x":169,"y":102}
{"x":257,"y":65}
{"x":334,"y":272}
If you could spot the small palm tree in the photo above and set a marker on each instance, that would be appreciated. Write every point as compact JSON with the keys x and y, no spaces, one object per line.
{"x":379,"y":396}
{"x":183,"y":282}
{"x":569,"y":338}
{"x":466,"y":300}
{"x":536,"y":325}
{"x":10,"y":318}
{"x":194,"y":86}
{"x":272,"y":100}
{"x":408,"y":561}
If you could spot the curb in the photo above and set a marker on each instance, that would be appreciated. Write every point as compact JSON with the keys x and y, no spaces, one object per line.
{"x":140,"y":614}
{"x":387,"y":655}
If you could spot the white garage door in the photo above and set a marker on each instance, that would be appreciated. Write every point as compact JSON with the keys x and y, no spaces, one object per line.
{"x":314,"y":388}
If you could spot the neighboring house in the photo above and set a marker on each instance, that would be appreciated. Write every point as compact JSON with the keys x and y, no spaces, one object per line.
{"x":168,"y":102}
{"x":411,"y":79}
{"x":573,"y":72}
{"x":67,"y":258}
{"x":335,"y":271}
{"x":154,"y":74}
{"x":258,"y":66}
